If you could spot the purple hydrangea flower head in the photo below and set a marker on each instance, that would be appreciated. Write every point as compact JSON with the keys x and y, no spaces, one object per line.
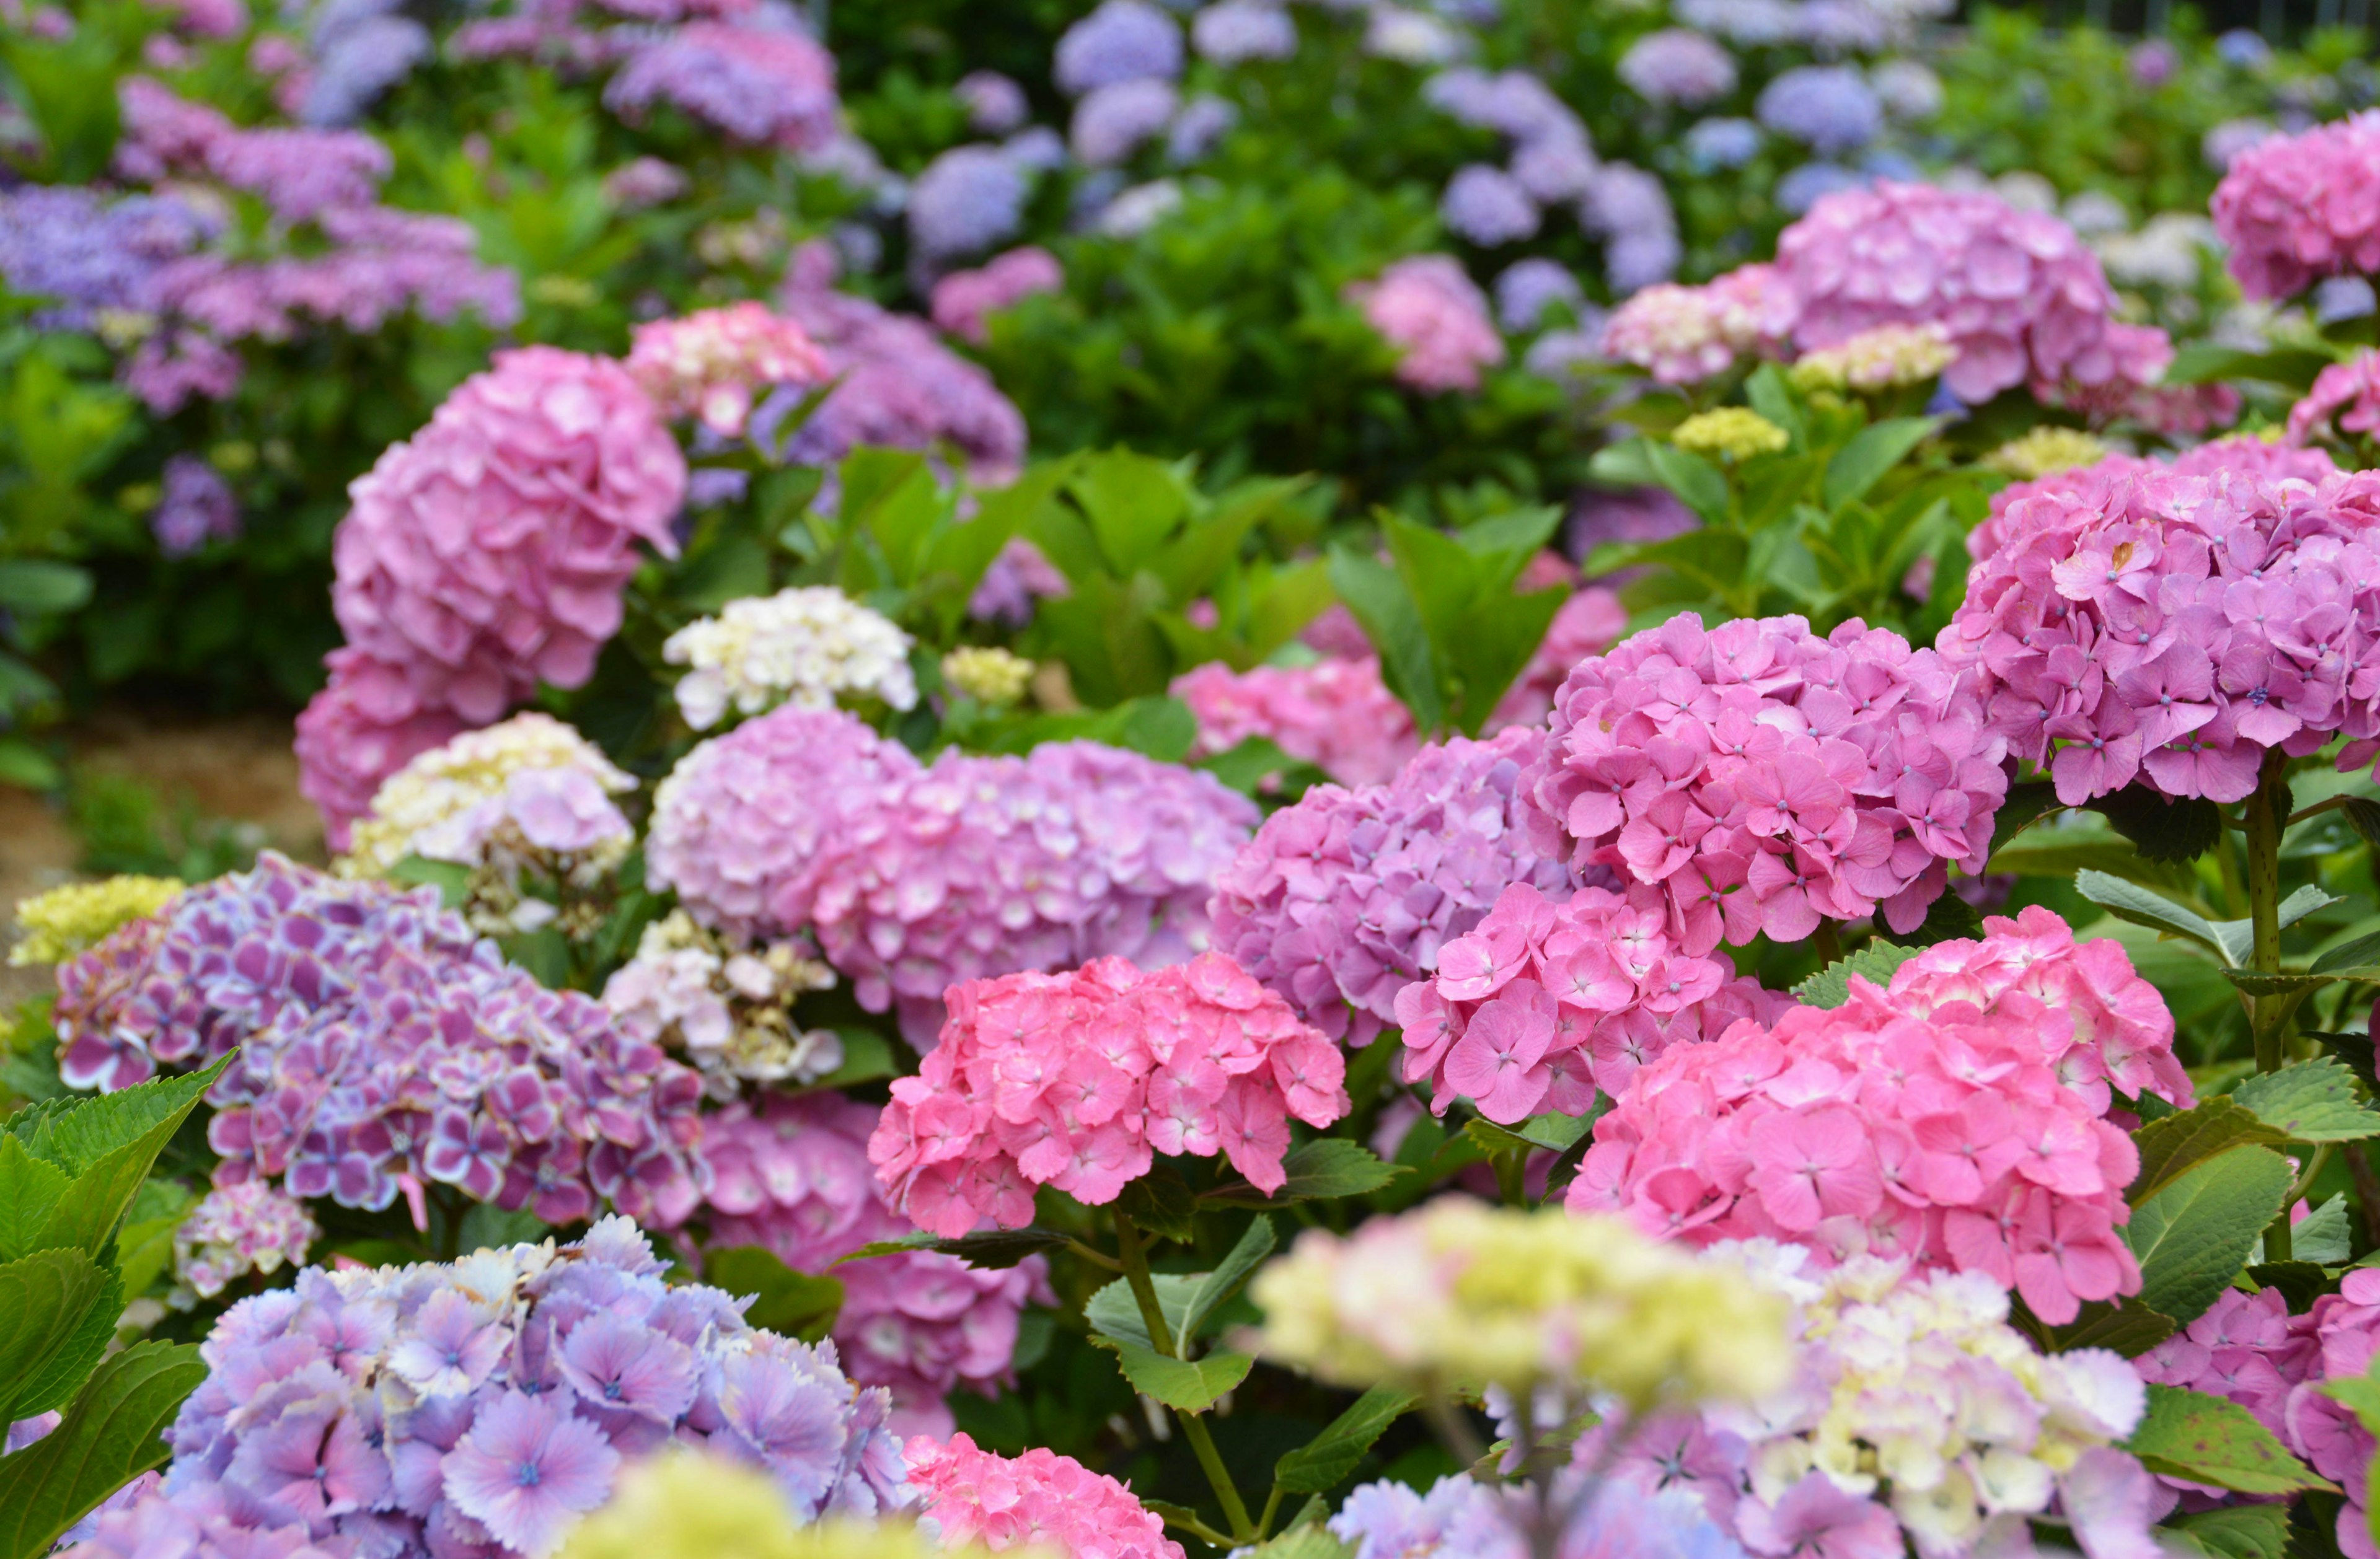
{"x":1514,"y":104}
{"x":65,"y":245}
{"x":1459,"y":1517}
{"x":966,"y":200}
{"x":764,"y":85}
{"x":1121,"y":40}
{"x":308,"y":1436}
{"x":1554,"y":166}
{"x":360,"y":49}
{"x":1343,"y":900}
{"x":379,"y":1039}
{"x":2244,"y":49}
{"x":1722,"y":143}
{"x":1488,"y":206}
{"x":995,"y":103}
{"x":1629,"y":207}
{"x":1828,"y":108}
{"x":1203,"y":121}
{"x":1835,"y":27}
{"x":1760,"y":23}
{"x":1234,"y":31}
{"x":197,"y":507}
{"x":792,"y":1174}
{"x":1677,"y":65}
{"x":1527,"y":288}
{"x":1804,"y":187}
{"x":1111,"y":123}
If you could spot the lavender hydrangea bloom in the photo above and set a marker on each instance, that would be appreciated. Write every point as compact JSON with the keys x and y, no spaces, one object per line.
{"x":1756,"y":22}
{"x":1677,"y":65}
{"x":198,"y":508}
{"x":995,"y":103}
{"x":1721,"y":143}
{"x":1632,"y":211}
{"x":362,"y":48}
{"x":1486,"y":206}
{"x":1554,"y":166}
{"x":484,"y":1406}
{"x":1234,"y":31}
{"x":1204,"y":120}
{"x":1804,"y":187}
{"x":966,"y":200}
{"x":379,"y":1039}
{"x":65,"y":243}
{"x":1834,"y":28}
{"x":1511,"y":102}
{"x":1828,"y":108}
{"x":1528,"y":288}
{"x":761,"y":84}
{"x":1344,"y":899}
{"x":1111,"y":122}
{"x":1122,"y":40}
{"x":1459,"y":1517}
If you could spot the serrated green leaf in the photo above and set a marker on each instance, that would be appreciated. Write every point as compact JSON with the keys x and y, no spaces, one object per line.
{"x":144,"y":1247}
{"x":2193,"y":1236}
{"x":29,"y":1192}
{"x":2246,"y":1531}
{"x":1325,"y":1461}
{"x":112,"y":1432}
{"x":2311,"y":1102}
{"x":2259,"y":981}
{"x":2363,"y":817}
{"x":1216,"y":1287}
{"x":1190,"y":1386}
{"x":107,"y":1144}
{"x":2306,"y":900}
{"x":1374,"y":593}
{"x":790,"y":1303}
{"x":1831,"y":987}
{"x":1113,"y":1313}
{"x":1326,"y":1167}
{"x":991,"y":1250}
{"x":2130,"y":901}
{"x":1540,"y":1133}
{"x":2127,"y":1327}
{"x":2165,"y":831}
{"x":1697,"y":482}
{"x":1310,"y":1541}
{"x":2208,"y":1440}
{"x":46,"y":1303}
{"x":451,"y":878}
{"x":1161,"y":1203}
{"x":2028,"y":801}
{"x":1870,"y":454}
{"x":2363,"y":952}
{"x":2173,"y":1144}
{"x":2321,"y":1237}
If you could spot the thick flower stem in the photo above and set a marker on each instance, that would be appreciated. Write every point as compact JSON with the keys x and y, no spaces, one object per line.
{"x":1133,"y":1255}
{"x":2268,"y":1016}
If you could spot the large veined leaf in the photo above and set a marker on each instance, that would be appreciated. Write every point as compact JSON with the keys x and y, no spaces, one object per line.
{"x":2129,"y":900}
{"x":1189,"y":1385}
{"x":1216,"y":1288}
{"x":1114,"y":1313}
{"x":993,"y":1249}
{"x":112,"y":1432}
{"x":2311,"y":1102}
{"x":31,"y":1190}
{"x":48,"y":1300}
{"x":2193,"y":1236}
{"x":2209,"y":1440}
{"x":2246,"y":1531}
{"x":790,"y":1303}
{"x":107,"y":1144}
{"x":2174,"y":1144}
{"x":1328,"y":1166}
{"x":1320,"y":1464}
{"x":1831,"y":987}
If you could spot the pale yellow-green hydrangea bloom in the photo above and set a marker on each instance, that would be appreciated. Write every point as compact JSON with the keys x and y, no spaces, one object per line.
{"x":60,"y":924}
{"x":687,"y":1505}
{"x":1459,"y":1294}
{"x":987,"y":674}
{"x":441,"y":785}
{"x":2044,"y":452}
{"x":1729,"y":433}
{"x":1887,"y":357}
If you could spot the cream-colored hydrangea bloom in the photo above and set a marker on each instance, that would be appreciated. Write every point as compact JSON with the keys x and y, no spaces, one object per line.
{"x":417,"y":807}
{"x":1886,"y":357}
{"x":803,"y":646}
{"x":692,"y":1504}
{"x":1728,"y":433}
{"x":60,"y":924}
{"x":987,"y":674}
{"x":2045,"y":451}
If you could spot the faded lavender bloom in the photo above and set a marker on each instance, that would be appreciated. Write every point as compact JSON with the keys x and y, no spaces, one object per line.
{"x":1122,"y":40}
{"x":761,"y":85}
{"x":1908,"y":90}
{"x":1676,"y":65}
{"x":1111,"y":122}
{"x":1757,"y":22}
{"x":1234,"y":31}
{"x":643,"y":181}
{"x":1631,"y":209}
{"x":1554,"y":166}
{"x":995,"y":103}
{"x":1829,"y":108}
{"x":1488,"y":207}
{"x":1722,"y":143}
{"x":966,"y":200}
{"x":197,"y":507}
{"x":1412,"y":37}
{"x":1528,"y":288}
{"x":360,"y":49}
{"x":1804,"y":187}
{"x":1203,"y":121}
{"x":963,"y":299}
{"x":728,"y":1008}
{"x":87,"y":257}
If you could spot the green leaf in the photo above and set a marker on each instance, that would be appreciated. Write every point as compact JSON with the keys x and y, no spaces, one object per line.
{"x":1767,"y":393}
{"x":108,"y":1144}
{"x":451,"y":878}
{"x":1392,"y":621}
{"x":2300,"y":1281}
{"x":1696,"y":482}
{"x":1305,"y":1541}
{"x":145,"y":1246}
{"x":2306,"y":900}
{"x":2360,"y":953}
{"x":2259,"y":981}
{"x":2193,"y":1236}
{"x":46,"y":1301}
{"x":2363,"y":817}
{"x":2245,"y":1531}
{"x":866,"y":1057}
{"x":1189,"y":1385}
{"x":26,"y":766}
{"x":2028,"y":802}
{"x":2165,"y":831}
{"x":1326,"y":1167}
{"x":1540,"y":1133}
{"x":1873,"y":451}
{"x":486,"y":1227}
{"x":1247,"y":766}
{"x":2171,"y":1145}
{"x":2127,"y":1327}
{"x":2311,"y":1102}
{"x":1113,"y":1313}
{"x":1831,"y":987}
{"x":1161,"y":1203}
{"x":2320,"y":1238}
{"x":2130,"y":901}
{"x":112,"y":1432}
{"x":2208,"y":1440}
{"x":1325,"y":1461}
{"x":1215,"y":1288}
{"x":29,"y":587}
{"x":991,"y":1250}
{"x":790,"y":1303}
{"x":30,"y":1191}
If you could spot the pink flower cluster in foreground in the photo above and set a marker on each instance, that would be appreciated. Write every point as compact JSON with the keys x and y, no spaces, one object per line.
{"x":482,"y":556}
{"x":963,"y":299}
{"x":792,"y":1174}
{"x":1429,"y":309}
{"x":914,"y":879}
{"x":1039,"y":1500}
{"x":1343,"y":900}
{"x":2295,"y":209}
{"x":1337,"y":714}
{"x":1076,"y":1080}
{"x":2173,"y":629}
{"x":1545,"y":1001}
{"x":709,"y":364}
{"x":1683,"y":336}
{"x":2344,"y":398}
{"x":2327,"y":1433}
{"x":1954,"y":1117}
{"x":2242,"y":454}
{"x":1764,"y":778}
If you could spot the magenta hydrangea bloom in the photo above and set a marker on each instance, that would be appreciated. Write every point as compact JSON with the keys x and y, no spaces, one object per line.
{"x":1864,"y":1128}
{"x":481,"y":1408}
{"x":793,"y":1176}
{"x":1344,"y":899}
{"x":1683,"y":336}
{"x":2247,"y":1348}
{"x":2171,"y":629}
{"x":1427,"y":306}
{"x":367,"y":723}
{"x":2326,"y":1433}
{"x":1547,"y":1000}
{"x":964,"y":300}
{"x":2344,"y":398}
{"x":1337,"y":714}
{"x":2295,"y":209}
{"x":1763,"y":779}
{"x":380,"y":1045}
{"x":1076,"y":1079}
{"x":2244,"y":454}
{"x":237,"y":1230}
{"x":1039,"y":1500}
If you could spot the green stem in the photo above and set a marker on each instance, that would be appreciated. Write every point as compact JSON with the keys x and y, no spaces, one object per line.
{"x":1133,"y":1255}
{"x":2317,"y":810}
{"x":1511,"y":1176}
{"x":1097,"y":1258}
{"x":2268,"y":1016}
{"x":1202,"y":1531}
{"x":1272,"y":1509}
{"x":1829,"y":944}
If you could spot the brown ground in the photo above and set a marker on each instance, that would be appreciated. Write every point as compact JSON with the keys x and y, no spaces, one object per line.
{"x":239,"y":768}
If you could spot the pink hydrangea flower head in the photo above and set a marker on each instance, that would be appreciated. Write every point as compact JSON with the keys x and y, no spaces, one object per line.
{"x":487,"y":553}
{"x":1685,"y":334}
{"x":2021,"y":295}
{"x":1039,"y":1500}
{"x":1545,"y":1001}
{"x":1428,"y":308}
{"x":792,"y":1174}
{"x":237,"y":1230}
{"x":1955,"y":1119}
{"x":367,"y":723}
{"x":1344,"y":899}
{"x":2344,"y":398}
{"x":1077,"y":1081}
{"x":1337,"y":714}
{"x":2171,"y":629}
{"x":763,"y":85}
{"x":2331,"y":1439}
{"x":2295,"y":209}
{"x":711,"y":364}
{"x":1757,"y":778}
{"x":2247,"y":1348}
{"x":963,"y":299}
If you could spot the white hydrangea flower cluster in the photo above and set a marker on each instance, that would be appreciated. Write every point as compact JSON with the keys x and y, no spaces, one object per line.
{"x":1884,"y":358}
{"x":801,"y":647}
{"x":1914,"y":1390}
{"x":728,"y":1009}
